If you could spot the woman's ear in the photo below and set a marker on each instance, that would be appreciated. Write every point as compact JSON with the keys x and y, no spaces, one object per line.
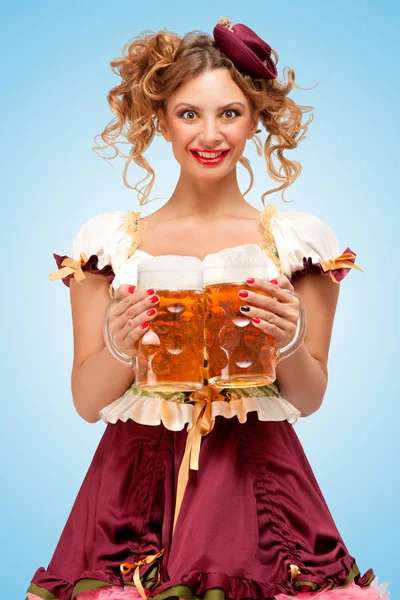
{"x":163,"y":128}
{"x":254,"y":124}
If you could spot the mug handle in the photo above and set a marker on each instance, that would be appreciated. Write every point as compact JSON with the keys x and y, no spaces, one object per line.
{"x":110,"y":342}
{"x":300,"y":332}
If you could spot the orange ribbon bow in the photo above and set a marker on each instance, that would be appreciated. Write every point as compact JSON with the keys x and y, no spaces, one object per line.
{"x":71,"y":266}
{"x":342,"y":261}
{"x":294,"y":571}
{"x":201,"y":425}
{"x":126,"y":568}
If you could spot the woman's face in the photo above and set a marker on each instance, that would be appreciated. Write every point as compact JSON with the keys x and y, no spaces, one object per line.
{"x":205,"y":114}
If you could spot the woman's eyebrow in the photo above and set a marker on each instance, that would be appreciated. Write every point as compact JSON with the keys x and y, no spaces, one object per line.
{"x":193,"y":107}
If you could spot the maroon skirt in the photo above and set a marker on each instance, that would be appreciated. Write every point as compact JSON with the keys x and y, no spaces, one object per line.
{"x":253,"y":522}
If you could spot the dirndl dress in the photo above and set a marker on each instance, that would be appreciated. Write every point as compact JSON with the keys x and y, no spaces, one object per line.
{"x":204,"y":494}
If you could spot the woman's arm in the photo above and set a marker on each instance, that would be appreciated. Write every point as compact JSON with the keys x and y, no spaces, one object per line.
{"x":303,"y":377}
{"x":97,"y":377}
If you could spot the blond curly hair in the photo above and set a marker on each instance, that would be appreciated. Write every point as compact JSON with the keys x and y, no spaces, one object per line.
{"x":155,"y":64}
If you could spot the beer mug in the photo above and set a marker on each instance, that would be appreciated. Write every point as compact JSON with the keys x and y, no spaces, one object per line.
{"x":238,"y":353}
{"x":169,"y":356}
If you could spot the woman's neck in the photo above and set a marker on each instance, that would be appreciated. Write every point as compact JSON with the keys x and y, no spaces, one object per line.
{"x":207,"y":199}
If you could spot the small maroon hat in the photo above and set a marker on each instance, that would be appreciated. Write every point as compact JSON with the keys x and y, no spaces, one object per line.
{"x":245,"y":49}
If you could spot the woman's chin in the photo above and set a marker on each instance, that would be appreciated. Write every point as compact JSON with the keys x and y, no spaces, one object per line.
{"x":200,"y":173}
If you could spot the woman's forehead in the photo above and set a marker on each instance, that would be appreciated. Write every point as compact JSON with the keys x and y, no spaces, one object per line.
{"x":210,"y":89}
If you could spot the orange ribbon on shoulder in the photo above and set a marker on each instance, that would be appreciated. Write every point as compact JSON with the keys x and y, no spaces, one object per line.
{"x":342,"y":261}
{"x":71,"y":266}
{"x":201,"y":425}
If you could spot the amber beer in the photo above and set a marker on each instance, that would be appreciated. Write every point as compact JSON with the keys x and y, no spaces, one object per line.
{"x":238,"y":353}
{"x":170,"y":355}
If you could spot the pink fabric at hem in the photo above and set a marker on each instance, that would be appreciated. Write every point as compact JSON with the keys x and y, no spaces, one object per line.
{"x":352,"y":591}
{"x":112,"y":592}
{"x":349,"y":592}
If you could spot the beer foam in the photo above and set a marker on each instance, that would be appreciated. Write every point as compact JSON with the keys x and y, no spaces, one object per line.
{"x":237,"y":264}
{"x":171,"y":271}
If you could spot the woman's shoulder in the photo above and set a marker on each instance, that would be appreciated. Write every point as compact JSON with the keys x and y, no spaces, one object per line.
{"x":306,"y":229}
{"x":108,"y":228}
{"x":300,"y":218}
{"x":105,"y":223}
{"x":307,"y":243}
{"x":100,"y":243}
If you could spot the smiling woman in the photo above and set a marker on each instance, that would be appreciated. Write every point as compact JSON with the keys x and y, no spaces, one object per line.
{"x":223,"y":131}
{"x":229,"y":508}
{"x":156,"y":70}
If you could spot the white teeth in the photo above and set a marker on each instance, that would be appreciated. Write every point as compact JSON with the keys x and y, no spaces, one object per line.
{"x":209,"y":154}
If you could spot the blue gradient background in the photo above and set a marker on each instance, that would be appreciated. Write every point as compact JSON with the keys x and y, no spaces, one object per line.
{"x":55,"y":78}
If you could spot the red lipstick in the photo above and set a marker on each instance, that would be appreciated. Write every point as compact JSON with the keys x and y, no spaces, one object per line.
{"x":208,"y":149}
{"x":203,"y":160}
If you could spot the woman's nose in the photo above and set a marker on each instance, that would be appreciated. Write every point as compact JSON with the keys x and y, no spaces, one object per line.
{"x":210,"y":132}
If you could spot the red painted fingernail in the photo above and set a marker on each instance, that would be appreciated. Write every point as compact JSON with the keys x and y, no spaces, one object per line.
{"x":255,"y":320}
{"x":243,"y":293}
{"x":150,"y":312}
{"x":154,"y":299}
{"x":150,"y":291}
{"x":250,"y":280}
{"x":131,"y":289}
{"x":274,"y":281}
{"x":144,"y":325}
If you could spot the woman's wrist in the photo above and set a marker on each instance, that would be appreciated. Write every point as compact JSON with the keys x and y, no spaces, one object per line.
{"x":302,"y":380}
{"x":100,"y":380}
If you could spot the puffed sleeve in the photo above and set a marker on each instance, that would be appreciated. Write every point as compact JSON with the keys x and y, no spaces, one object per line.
{"x":306,"y":244}
{"x":93,"y":249}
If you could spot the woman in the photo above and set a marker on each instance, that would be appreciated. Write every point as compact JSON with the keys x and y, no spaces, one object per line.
{"x":251,"y":520}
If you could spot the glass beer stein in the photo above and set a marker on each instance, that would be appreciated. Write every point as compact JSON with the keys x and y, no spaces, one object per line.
{"x":239,"y":354}
{"x":169,"y":356}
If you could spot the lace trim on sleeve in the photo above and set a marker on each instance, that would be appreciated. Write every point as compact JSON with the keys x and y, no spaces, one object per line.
{"x":268,"y":242}
{"x":132,"y":225}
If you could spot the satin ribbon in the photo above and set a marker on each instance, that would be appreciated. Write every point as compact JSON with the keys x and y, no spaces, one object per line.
{"x":294,"y":570}
{"x":71,"y":266}
{"x":201,"y":425}
{"x":126,"y":568}
{"x":342,"y":261}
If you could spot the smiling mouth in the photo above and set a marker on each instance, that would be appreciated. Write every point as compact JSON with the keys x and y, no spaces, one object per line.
{"x":209,"y":158}
{"x":209,"y":153}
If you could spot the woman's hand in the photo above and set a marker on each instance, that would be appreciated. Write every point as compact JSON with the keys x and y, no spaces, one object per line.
{"x":276,"y":316}
{"x":129,"y":318}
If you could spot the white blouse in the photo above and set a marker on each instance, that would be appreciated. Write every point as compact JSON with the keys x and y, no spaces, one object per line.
{"x":295,"y":243}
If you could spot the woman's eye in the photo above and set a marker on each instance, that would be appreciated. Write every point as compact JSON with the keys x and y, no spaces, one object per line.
{"x":190,"y":112}
{"x":230,"y":110}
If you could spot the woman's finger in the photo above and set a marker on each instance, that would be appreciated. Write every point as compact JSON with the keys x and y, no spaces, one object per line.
{"x":127,"y":296}
{"x":273,"y":289}
{"x":142,"y":308}
{"x":133,"y":325}
{"x":280,"y":315}
{"x":287,"y":310}
{"x":282,"y":336}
